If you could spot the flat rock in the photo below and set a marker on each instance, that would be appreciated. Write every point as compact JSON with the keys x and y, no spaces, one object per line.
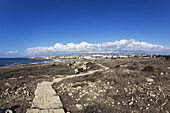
{"x":45,"y":111}
{"x":149,"y":79}
{"x":46,"y":100}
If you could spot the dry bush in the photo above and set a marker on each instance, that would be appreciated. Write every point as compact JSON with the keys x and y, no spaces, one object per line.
{"x":79,"y":84}
{"x":148,"y":69}
{"x":53,"y":65}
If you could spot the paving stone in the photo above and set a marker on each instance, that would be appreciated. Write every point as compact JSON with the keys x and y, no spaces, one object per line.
{"x":45,"y":111}
{"x":46,"y":99}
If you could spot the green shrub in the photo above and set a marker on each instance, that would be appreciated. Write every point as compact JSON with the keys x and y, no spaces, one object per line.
{"x":53,"y":65}
{"x":167,"y":57}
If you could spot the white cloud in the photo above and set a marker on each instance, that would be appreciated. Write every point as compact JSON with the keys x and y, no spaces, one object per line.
{"x":122,"y":45}
{"x":12,"y":52}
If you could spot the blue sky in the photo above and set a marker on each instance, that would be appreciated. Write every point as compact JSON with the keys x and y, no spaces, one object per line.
{"x":43,"y":23}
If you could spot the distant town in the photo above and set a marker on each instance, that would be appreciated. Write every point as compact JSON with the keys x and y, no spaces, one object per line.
{"x":100,"y":56}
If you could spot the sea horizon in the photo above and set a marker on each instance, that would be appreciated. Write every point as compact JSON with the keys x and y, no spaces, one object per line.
{"x":14,"y":61}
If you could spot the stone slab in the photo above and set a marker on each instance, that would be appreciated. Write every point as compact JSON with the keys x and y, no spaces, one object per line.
{"x":45,"y":111}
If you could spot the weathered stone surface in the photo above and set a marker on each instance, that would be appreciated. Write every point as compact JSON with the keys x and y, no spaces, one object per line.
{"x":46,"y":99}
{"x":149,"y":79}
{"x":79,"y":106}
{"x":45,"y":111}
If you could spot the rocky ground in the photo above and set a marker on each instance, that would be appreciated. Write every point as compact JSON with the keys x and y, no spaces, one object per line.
{"x":19,"y":82}
{"x":133,"y":85}
{"x":129,"y":85}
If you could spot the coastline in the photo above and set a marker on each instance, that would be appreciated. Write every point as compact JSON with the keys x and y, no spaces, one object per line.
{"x":16,"y":61}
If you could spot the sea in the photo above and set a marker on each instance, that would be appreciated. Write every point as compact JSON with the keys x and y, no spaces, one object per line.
{"x":14,"y":61}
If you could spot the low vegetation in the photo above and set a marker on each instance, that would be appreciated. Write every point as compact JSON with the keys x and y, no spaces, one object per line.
{"x":148,"y":69}
{"x":19,"y":82}
{"x":130,"y":85}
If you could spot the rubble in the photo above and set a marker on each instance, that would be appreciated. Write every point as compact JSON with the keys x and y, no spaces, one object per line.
{"x":149,"y":80}
{"x":18,"y":82}
{"x":118,"y":90}
{"x":127,"y":85}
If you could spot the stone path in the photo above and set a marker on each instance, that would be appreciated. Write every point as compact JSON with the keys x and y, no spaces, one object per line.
{"x":46,"y":100}
{"x":106,"y":68}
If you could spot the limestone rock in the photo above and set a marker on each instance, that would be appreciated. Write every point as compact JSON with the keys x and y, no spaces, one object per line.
{"x":149,"y":79}
{"x":79,"y":106}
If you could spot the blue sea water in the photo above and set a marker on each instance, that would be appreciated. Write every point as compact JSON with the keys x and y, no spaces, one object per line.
{"x":13,"y":61}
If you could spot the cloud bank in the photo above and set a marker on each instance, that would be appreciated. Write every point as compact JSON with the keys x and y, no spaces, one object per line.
{"x":12,"y":52}
{"x":117,"y":46}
